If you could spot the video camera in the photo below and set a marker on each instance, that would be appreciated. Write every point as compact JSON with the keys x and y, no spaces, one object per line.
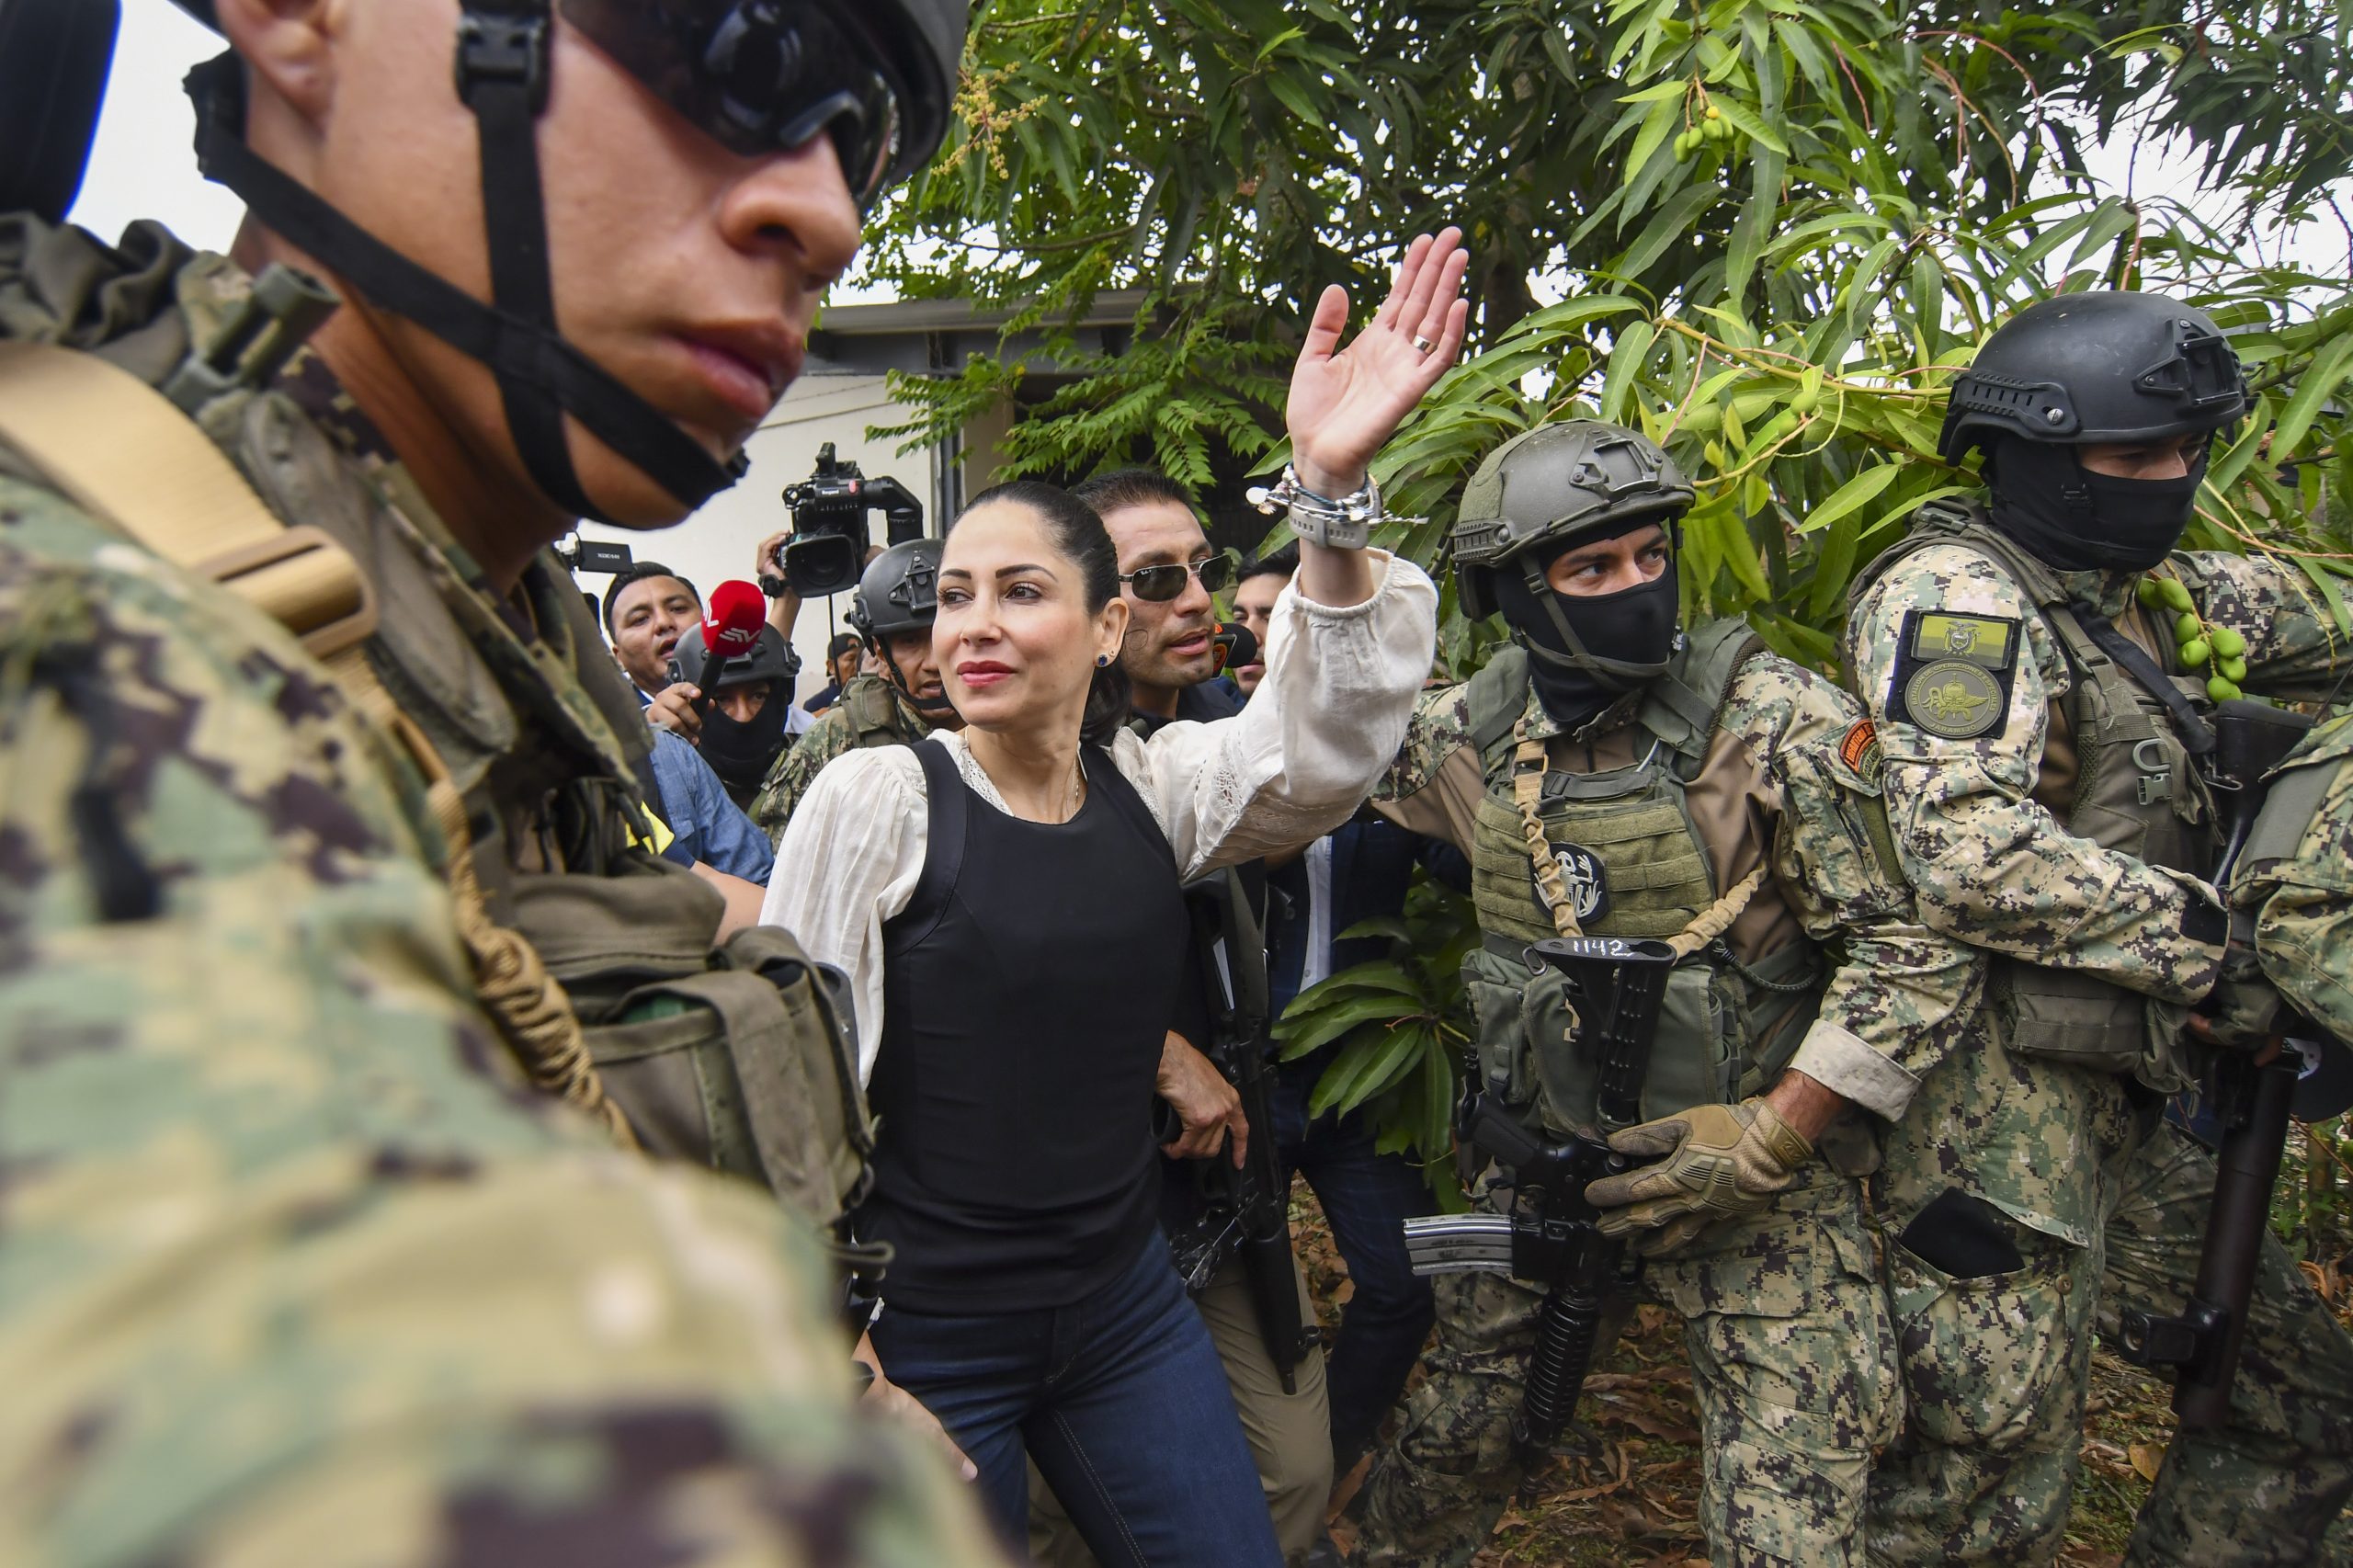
{"x":827,"y":550}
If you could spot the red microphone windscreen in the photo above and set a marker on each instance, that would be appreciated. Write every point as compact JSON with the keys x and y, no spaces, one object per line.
{"x":738,"y":610}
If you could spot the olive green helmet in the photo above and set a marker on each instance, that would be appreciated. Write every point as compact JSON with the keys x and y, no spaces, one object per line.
{"x":1548,"y":485}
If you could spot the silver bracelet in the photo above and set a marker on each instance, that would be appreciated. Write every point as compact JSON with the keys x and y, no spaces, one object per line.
{"x":1342,"y":523}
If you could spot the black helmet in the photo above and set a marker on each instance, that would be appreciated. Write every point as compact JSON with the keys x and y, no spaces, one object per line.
{"x":2096,"y":366}
{"x":899,"y":591}
{"x":1546,"y":485}
{"x":879,"y":76}
{"x":769,"y":659}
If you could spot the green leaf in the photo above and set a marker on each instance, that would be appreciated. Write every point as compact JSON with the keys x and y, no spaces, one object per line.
{"x":2320,"y":380}
{"x":1305,"y":1038}
{"x":1294,"y":99}
{"x":1857,"y":493}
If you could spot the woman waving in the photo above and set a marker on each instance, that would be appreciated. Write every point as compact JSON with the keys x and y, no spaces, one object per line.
{"x":1005,"y":901}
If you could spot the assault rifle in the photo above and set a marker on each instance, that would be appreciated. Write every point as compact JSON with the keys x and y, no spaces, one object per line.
{"x":1551,"y":1237}
{"x":2251,"y":1102}
{"x":1249,"y":1209}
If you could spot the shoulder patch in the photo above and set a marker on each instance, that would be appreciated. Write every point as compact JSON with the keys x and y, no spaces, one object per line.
{"x":1860,"y":750}
{"x":1953,"y":673}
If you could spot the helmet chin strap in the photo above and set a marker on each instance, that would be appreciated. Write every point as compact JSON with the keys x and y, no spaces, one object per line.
{"x":891,"y":667}
{"x":502,"y":78}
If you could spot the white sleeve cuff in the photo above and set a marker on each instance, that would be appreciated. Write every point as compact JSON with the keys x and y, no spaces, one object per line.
{"x":1840,"y":1061}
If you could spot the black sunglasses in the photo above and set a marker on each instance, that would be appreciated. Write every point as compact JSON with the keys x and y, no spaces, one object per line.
{"x":1158,"y":585}
{"x":758,"y":76}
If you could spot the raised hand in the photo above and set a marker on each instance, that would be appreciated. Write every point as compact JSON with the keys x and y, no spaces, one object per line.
{"x":1346,"y":402}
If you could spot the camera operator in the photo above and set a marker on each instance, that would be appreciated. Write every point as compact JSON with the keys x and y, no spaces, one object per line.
{"x":896,"y":600}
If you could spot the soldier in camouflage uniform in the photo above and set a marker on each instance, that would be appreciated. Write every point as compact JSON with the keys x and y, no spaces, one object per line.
{"x":2296,"y":876}
{"x":1697,"y":788}
{"x":2042,"y":781}
{"x":897,"y":595}
{"x":293,"y":1268}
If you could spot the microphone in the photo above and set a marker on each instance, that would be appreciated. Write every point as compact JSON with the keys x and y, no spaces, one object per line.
{"x":730,"y":629}
{"x":1233,"y":645}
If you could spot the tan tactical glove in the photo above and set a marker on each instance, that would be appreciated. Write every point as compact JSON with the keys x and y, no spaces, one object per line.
{"x":1712,"y":1162}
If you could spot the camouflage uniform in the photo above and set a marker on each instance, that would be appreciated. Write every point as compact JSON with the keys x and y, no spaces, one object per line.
{"x":2302,"y":896}
{"x":292,"y":1269}
{"x":872,"y":712}
{"x":1785,"y":1327}
{"x":2083,"y":1204}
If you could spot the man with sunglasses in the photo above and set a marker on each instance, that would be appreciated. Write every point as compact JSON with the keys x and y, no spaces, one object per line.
{"x":1168,"y":574}
{"x":324,"y":835}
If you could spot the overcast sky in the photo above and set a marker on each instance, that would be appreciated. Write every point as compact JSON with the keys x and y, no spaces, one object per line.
{"x":144,"y":165}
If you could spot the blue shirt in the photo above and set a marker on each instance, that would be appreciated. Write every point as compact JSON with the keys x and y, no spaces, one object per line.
{"x":708,"y":826}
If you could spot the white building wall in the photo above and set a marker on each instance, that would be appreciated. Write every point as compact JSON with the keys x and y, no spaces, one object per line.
{"x":716,"y":543}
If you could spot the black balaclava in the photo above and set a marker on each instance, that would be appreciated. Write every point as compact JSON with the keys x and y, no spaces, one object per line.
{"x":742,"y":753}
{"x":1634,"y":625}
{"x":2076,"y":520}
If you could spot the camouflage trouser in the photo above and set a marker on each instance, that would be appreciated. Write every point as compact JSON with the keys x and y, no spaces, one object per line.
{"x":1996,"y":1351}
{"x":1788,"y":1336}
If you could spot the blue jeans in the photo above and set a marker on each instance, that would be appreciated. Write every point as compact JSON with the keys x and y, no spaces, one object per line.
{"x":1368,"y":1197}
{"x":1122,"y":1402}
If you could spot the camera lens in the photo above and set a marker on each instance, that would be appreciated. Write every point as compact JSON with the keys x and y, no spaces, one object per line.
{"x":821,"y":564}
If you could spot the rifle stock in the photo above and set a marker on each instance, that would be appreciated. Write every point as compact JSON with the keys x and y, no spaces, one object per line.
{"x":2201,"y":1342}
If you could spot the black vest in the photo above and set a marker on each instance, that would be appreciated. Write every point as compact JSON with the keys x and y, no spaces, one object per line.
{"x":1027,"y":991}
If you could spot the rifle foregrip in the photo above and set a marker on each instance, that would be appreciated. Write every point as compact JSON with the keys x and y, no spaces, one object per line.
{"x":1567,"y":1328}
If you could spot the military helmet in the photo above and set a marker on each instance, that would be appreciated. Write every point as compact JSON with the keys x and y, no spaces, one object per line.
{"x":899,"y":591}
{"x":767,"y":660}
{"x":2105,"y":366}
{"x":1551,"y":484}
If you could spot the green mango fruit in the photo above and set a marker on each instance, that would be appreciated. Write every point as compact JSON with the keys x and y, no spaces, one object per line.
{"x":2229,"y":670}
{"x":2228,"y":643}
{"x":2177,"y":593}
{"x":2222,"y":690}
{"x":2194,"y":653}
{"x":2188,"y":626}
{"x":2147,"y":591}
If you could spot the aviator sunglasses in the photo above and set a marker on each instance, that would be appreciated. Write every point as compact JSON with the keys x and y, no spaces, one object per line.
{"x":1158,"y":585}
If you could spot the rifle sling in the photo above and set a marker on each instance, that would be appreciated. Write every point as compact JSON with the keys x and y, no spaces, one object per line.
{"x":2197,"y":735}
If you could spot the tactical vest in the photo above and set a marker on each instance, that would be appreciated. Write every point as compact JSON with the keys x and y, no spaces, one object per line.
{"x":877,"y":713}
{"x":2300,"y":788}
{"x":1632,"y":865}
{"x":601,"y":971}
{"x":2115,"y":771}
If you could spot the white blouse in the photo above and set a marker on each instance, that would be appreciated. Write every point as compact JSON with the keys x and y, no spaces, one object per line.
{"x":1327,"y":718}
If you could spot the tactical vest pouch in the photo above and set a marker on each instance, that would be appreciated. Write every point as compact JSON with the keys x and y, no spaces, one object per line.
{"x":1495,"y":984}
{"x":1699,"y":1016}
{"x":741,"y":1059}
{"x":2065,"y":1016}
